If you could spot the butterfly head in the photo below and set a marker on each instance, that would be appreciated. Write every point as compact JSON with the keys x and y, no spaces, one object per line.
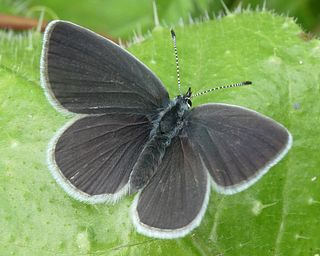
{"x":185,"y":99}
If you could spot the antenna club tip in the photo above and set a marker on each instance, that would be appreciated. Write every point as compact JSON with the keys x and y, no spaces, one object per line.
{"x":247,"y":82}
{"x":173,"y":34}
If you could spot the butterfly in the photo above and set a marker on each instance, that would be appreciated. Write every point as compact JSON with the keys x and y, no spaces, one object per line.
{"x":128,"y":136}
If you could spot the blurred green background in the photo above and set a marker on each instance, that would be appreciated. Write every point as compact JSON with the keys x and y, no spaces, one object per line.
{"x":119,"y":18}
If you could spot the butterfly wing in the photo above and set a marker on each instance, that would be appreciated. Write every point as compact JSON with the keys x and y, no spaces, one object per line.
{"x":237,"y":145}
{"x":83,"y":72}
{"x":175,"y":199}
{"x":92,"y":157}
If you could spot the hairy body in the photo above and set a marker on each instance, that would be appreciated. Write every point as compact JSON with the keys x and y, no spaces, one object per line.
{"x":168,"y":125}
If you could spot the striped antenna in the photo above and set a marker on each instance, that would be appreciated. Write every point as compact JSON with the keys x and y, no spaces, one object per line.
{"x":221,"y":87}
{"x":173,"y":35}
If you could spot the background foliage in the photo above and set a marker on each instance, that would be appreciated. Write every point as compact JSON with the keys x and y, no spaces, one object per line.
{"x":277,"y":216}
{"x":121,"y":18}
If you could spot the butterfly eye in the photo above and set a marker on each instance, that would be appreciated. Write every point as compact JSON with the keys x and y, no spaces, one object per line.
{"x":189,"y":103}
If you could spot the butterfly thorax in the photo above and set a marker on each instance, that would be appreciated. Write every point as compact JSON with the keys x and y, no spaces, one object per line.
{"x":169,"y":123}
{"x":170,"y":120}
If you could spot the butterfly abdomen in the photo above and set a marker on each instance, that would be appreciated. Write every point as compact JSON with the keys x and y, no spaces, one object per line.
{"x":148,"y":161}
{"x":166,"y":127}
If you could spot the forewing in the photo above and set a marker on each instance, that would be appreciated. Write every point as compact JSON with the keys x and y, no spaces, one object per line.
{"x":83,"y":72}
{"x":92,"y":157}
{"x":174,"y":200}
{"x":237,"y":145}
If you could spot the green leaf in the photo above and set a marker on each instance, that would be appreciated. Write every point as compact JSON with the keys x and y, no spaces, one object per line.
{"x":277,"y":216}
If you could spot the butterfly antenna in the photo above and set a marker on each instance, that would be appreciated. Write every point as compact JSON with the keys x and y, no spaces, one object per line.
{"x":173,"y":35}
{"x":222,"y":87}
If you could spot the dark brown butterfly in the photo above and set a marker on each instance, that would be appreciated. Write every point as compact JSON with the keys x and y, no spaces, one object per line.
{"x":128,"y":136}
